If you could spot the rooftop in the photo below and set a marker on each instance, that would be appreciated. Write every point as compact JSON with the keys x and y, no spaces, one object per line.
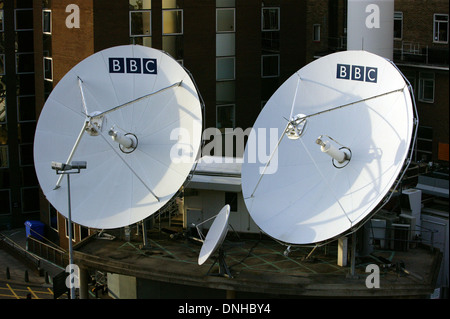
{"x":259,"y":267}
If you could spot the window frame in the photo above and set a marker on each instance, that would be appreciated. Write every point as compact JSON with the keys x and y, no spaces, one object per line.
{"x":234,"y":20}
{"x":46,"y":58}
{"x":15,"y":19}
{"x":398,"y":18}
{"x":262,"y":66}
{"x":66,"y":229}
{"x":182,"y":22}
{"x":422,"y":85}
{"x":225,"y":44}
{"x":233,"y":120}
{"x":19,"y":105}
{"x":130,"y":19}
{"x":316,"y":27}
{"x":18,"y":54}
{"x":52,"y":212}
{"x":278,"y":19}
{"x":5,"y":147}
{"x":22,"y":158}
{"x":233,"y":58}
{"x":43,"y":21}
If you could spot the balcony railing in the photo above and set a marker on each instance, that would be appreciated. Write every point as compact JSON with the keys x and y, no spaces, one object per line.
{"x":417,"y":53}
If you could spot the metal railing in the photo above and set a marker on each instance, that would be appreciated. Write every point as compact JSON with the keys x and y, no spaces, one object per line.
{"x":20,"y":251}
{"x":415,"y":52}
{"x":396,"y":237}
{"x":53,"y":254}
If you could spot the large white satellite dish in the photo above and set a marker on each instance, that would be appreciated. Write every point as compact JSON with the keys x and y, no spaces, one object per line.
{"x":133,"y":114}
{"x":345,"y":124}
{"x":216,"y":235}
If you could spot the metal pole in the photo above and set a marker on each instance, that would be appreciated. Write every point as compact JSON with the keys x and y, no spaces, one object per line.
{"x":353,"y":256}
{"x":144,"y":233}
{"x":72,"y":286}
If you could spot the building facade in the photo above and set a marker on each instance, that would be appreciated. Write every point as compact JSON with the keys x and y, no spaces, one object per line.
{"x":19,"y":189}
{"x":421,"y":46}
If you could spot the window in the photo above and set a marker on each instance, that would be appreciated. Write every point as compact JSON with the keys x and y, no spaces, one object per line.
{"x":172,"y":22}
{"x":270,"y":66}
{"x":225,"y":69}
{"x":47,"y":21}
{"x":225,"y":44}
{"x":67,"y":229}
{"x":225,"y":92}
{"x":231,"y":199}
{"x":225,"y":3}
{"x":28,"y":177}
{"x":25,"y":84}
{"x":140,"y":23}
{"x":84,"y":232}
{"x":24,"y":63}
{"x":225,"y":20}
{"x":24,"y":41}
{"x":48,"y":69}
{"x":225,"y":64}
{"x":424,"y":143}
{"x":270,"y":19}
{"x":225,"y":116}
{"x":144,"y":41}
{"x":23,"y":19}
{"x":316,"y":32}
{"x":440,"y":28}
{"x":172,"y":29}
{"x":398,"y":25}
{"x":170,"y":4}
{"x":270,"y":40}
{"x":173,"y":44}
{"x":26,"y":132}
{"x":426,"y":87}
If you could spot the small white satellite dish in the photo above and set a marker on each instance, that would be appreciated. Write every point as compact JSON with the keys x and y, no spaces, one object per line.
{"x":216,"y":235}
{"x":133,"y":114}
{"x":349,"y":122}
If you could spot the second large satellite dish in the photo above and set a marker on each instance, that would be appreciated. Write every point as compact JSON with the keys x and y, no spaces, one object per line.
{"x":133,"y":114}
{"x":345,"y":123}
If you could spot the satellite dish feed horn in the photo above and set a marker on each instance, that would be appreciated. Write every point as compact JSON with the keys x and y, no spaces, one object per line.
{"x":127,"y":142}
{"x":341,"y":155}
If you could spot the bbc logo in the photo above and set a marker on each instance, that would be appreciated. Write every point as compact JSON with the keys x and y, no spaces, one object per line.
{"x":357,"y":73}
{"x":133,"y":65}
